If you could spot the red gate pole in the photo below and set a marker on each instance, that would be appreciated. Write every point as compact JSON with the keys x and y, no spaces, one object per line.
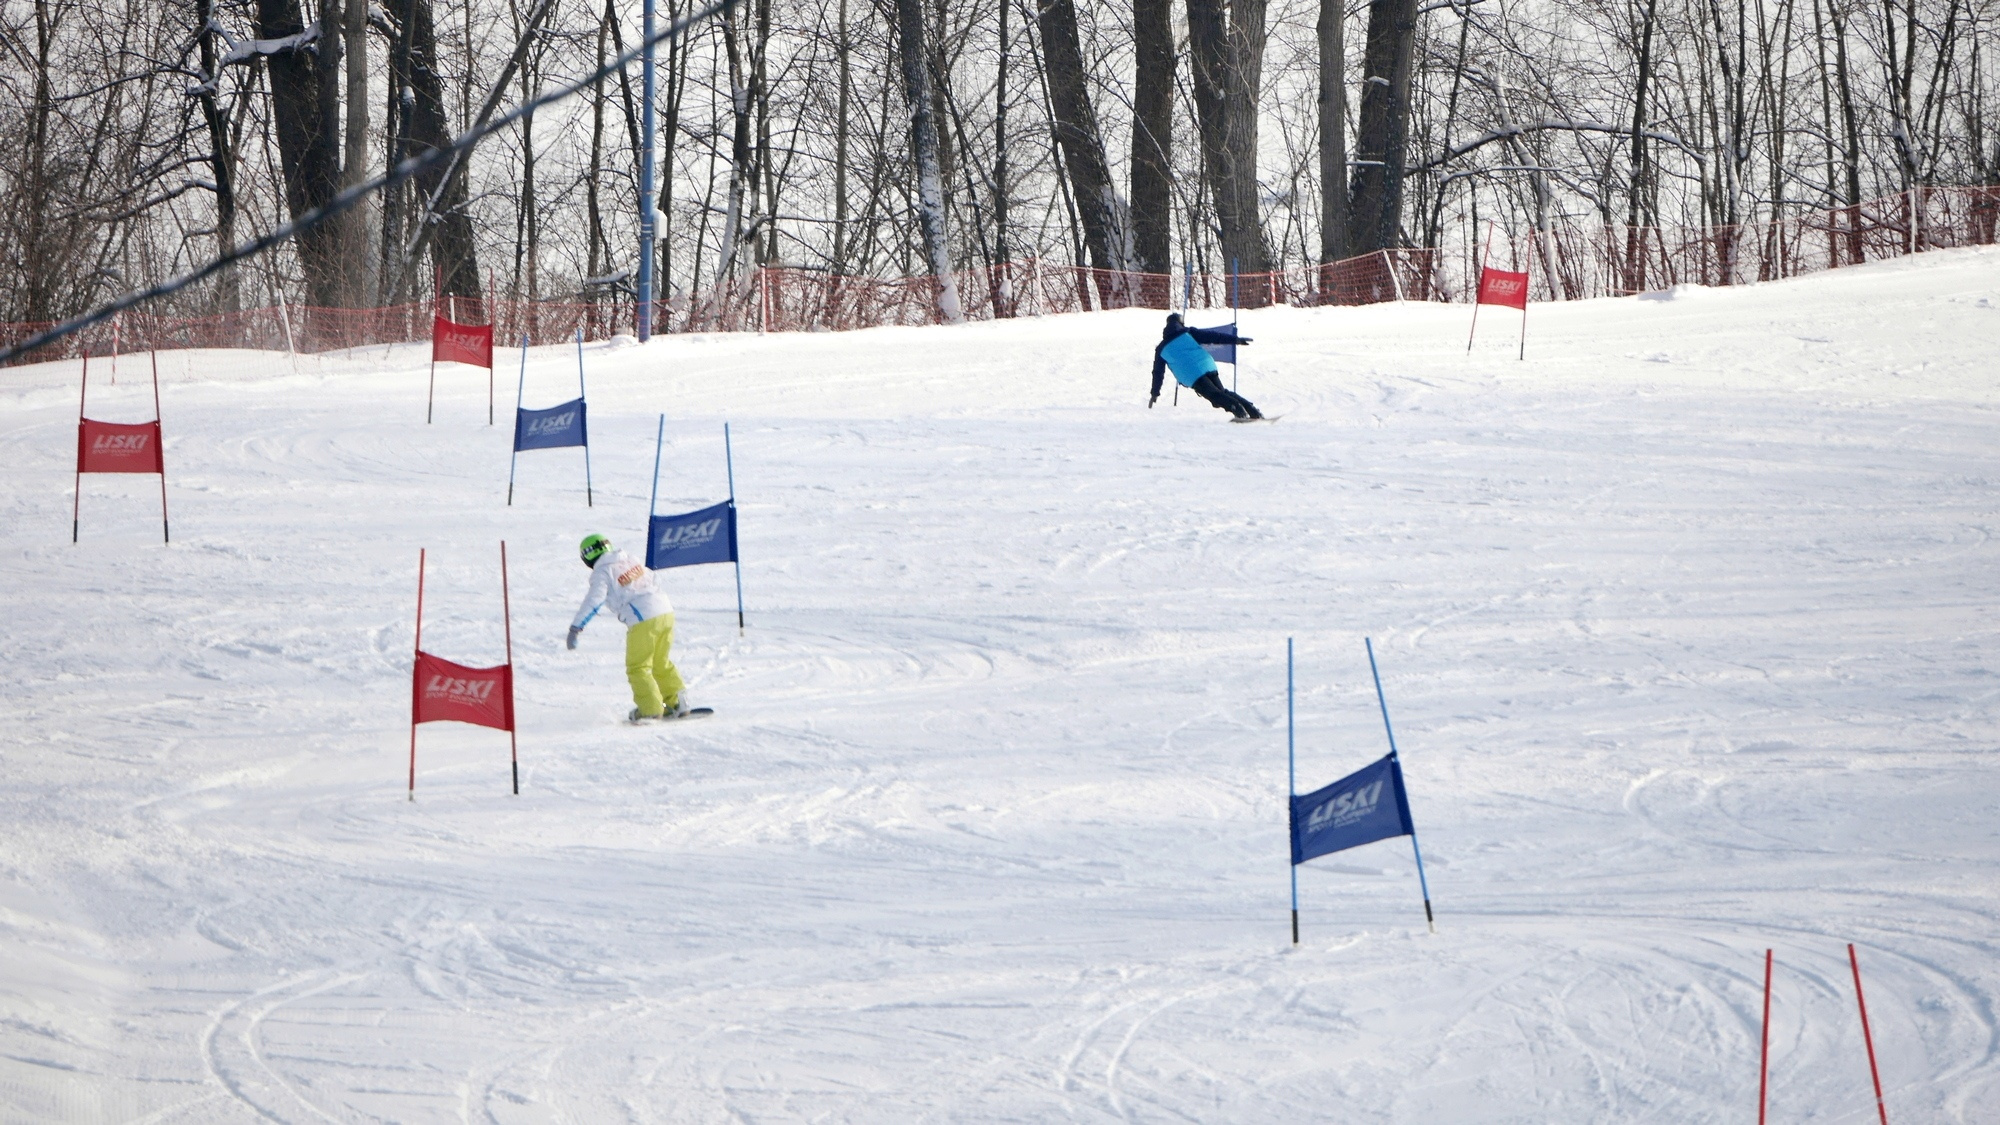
{"x":413,"y":673}
{"x":489,"y":346}
{"x":83,"y":392}
{"x":1866,"y":1036}
{"x":1764,"y":1060}
{"x":159,"y":435}
{"x":1477,"y":285}
{"x":1527,"y":294}
{"x":507,"y":625}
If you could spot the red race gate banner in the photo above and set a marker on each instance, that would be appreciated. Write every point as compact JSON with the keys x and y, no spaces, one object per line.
{"x":1503,"y":287}
{"x":1500,"y":287}
{"x":118,"y":447}
{"x":111,"y":447}
{"x":461,"y":343}
{"x":446,"y":692}
{"x":443,"y":691}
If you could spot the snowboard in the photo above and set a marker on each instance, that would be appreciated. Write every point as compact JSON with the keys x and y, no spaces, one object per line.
{"x":1265,"y":418}
{"x":693,"y":713}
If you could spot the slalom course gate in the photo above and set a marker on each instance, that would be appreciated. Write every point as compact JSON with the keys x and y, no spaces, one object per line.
{"x":707,"y":535}
{"x":1500,"y":287}
{"x":556,"y":427}
{"x":1367,"y":805}
{"x":460,"y":343}
{"x":444,"y":691}
{"x":115,"y":447}
{"x":1867,"y":1037}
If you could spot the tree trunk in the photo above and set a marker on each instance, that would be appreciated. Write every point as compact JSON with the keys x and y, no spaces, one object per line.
{"x":1375,"y":196}
{"x":307,"y":123}
{"x":924,"y":147}
{"x":1152,"y":144}
{"x":740,"y":154}
{"x":1003,"y":285}
{"x":843,"y":50}
{"x":221,"y":157}
{"x":354,"y":165}
{"x":1332,"y":131}
{"x":1098,"y":207}
{"x":453,"y":250}
{"x":1228,"y":50}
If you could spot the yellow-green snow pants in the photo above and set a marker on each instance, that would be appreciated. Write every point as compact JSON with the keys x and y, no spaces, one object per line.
{"x":656,"y":684}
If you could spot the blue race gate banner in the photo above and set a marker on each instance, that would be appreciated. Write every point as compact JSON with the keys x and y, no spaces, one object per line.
{"x":554,"y":428}
{"x":1223,"y":353}
{"x":694,"y":538}
{"x":1361,"y":808}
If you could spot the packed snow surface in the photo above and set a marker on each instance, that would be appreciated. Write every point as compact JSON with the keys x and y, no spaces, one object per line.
{"x":1687,"y":627}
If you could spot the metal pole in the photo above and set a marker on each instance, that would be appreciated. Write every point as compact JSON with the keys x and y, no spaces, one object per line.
{"x":1485,"y":256}
{"x":1764,"y":1056}
{"x":589,"y":497}
{"x":1867,"y":1036}
{"x":1235,"y":299}
{"x":418,"y":660}
{"x":653,"y":504}
{"x":507,"y":624}
{"x":729,"y":461}
{"x":520,"y":389}
{"x":647,"y":234}
{"x":1422,"y":882}
{"x":159,"y":435}
{"x":82,"y":396}
{"x":1291,"y":782}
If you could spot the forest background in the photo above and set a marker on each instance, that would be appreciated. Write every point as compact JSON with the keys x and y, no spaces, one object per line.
{"x":919,"y":138}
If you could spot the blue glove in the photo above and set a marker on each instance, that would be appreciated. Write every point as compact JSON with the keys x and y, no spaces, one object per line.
{"x":573,"y":631}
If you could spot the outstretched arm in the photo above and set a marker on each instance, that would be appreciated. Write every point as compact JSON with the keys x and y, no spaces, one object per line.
{"x":1216,"y":336}
{"x":1159,"y":374}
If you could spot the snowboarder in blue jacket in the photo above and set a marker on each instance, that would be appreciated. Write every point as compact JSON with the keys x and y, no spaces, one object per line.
{"x":1181,"y":351}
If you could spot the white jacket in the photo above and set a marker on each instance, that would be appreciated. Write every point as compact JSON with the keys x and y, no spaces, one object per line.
{"x":622,"y":581}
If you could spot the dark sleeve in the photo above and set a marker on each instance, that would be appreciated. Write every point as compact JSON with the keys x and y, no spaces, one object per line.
{"x":1159,"y":367}
{"x":1215,"y":336}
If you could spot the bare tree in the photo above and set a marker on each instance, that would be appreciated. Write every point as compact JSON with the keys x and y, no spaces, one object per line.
{"x":924,"y":148}
{"x":1228,"y":48}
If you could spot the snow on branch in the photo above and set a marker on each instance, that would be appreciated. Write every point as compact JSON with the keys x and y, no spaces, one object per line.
{"x":1507,"y":131}
{"x":243,"y":50}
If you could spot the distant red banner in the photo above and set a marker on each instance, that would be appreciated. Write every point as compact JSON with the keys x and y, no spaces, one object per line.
{"x":1503,"y":287}
{"x":107,"y":447}
{"x":461,"y":343}
{"x":447,"y":692}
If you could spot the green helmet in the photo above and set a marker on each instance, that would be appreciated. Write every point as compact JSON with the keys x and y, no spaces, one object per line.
{"x":593,"y":548}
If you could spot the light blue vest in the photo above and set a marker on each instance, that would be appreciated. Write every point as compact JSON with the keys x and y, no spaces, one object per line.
{"x":1188,"y":360}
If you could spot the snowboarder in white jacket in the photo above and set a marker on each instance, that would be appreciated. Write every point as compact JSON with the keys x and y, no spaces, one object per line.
{"x":621,"y":582}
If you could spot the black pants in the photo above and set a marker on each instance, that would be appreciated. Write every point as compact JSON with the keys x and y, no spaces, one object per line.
{"x":1222,"y":398}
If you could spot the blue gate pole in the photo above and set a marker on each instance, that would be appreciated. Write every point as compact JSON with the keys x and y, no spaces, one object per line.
{"x":729,"y":462}
{"x":653,"y":503}
{"x":589,"y":497}
{"x":519,"y":389}
{"x":1422,"y":883}
{"x":1291,"y":784}
{"x":647,"y":234}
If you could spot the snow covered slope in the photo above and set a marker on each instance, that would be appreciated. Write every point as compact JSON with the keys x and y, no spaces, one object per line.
{"x":1687,"y":624}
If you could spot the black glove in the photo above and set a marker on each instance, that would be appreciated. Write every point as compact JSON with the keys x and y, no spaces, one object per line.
{"x":573,"y":631}
{"x":1154,"y":399}
{"x":1242,"y":339}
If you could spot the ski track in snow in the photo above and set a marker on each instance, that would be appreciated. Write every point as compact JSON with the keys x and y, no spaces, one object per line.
{"x":1687,"y":626}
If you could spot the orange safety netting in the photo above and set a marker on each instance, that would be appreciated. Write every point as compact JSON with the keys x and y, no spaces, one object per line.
{"x":1570,"y":261}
